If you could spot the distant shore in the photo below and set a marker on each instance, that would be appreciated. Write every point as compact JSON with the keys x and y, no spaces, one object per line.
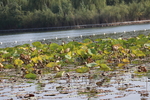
{"x":75,"y":27}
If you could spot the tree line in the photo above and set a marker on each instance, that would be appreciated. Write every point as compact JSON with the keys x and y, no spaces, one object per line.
{"x":16,"y":14}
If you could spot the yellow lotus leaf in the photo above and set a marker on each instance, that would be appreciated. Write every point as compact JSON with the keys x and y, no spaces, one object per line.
{"x":121,"y":65}
{"x":125,"y":60}
{"x":51,"y":64}
{"x":18,"y":62}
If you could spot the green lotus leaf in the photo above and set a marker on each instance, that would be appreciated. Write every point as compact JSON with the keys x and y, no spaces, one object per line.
{"x":10,"y":49}
{"x":55,"y":46}
{"x":9,"y":52}
{"x":97,"y":56}
{"x":147,"y":44}
{"x":91,"y":45}
{"x":34,"y":53}
{"x":105,"y":67}
{"x":116,"y":41}
{"x":100,"y":61}
{"x":7,"y":55}
{"x":91,"y":51}
{"x":51,"y":64}
{"x":45,"y":57}
{"x":9,"y":66}
{"x":18,"y":62}
{"x":98,"y":40}
{"x":87,"y":40}
{"x":68,"y":56}
{"x":81,"y":52}
{"x":37,"y":44}
{"x":69,"y":45}
{"x":135,"y":62}
{"x":59,"y":74}
{"x":30,"y":76}
{"x":138,"y":53}
{"x":29,"y":65}
{"x":91,"y":64}
{"x":82,"y":69}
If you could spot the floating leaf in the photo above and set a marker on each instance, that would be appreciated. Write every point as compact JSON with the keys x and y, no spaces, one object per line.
{"x":18,"y":62}
{"x":30,"y":76}
{"x":121,"y":64}
{"x":51,"y":64}
{"x":105,"y":67}
{"x":100,"y":61}
{"x":147,"y":44}
{"x":87,"y":40}
{"x":82,"y":69}
{"x":91,"y":64}
{"x":37,"y":44}
{"x":81,"y":52}
{"x":68,"y":56}
{"x":138,"y":53}
{"x":60,"y":74}
{"x":36,"y":59}
{"x":9,"y":66}
{"x":125,"y":60}
{"x":91,"y":51}
{"x":54,"y":46}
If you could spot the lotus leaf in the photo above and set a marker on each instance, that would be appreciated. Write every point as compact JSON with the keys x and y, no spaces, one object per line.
{"x":1,"y":59}
{"x":87,"y":40}
{"x":30,"y":76}
{"x":81,"y":52}
{"x":51,"y":64}
{"x":100,"y":61}
{"x":35,"y":53}
{"x":59,"y":74}
{"x":91,"y":45}
{"x":29,"y":65}
{"x":82,"y":69}
{"x":69,"y":55}
{"x":97,"y":56}
{"x":9,"y":66}
{"x":36,"y":59}
{"x":91,"y":64}
{"x":54,"y":47}
{"x":18,"y":62}
{"x":125,"y":60}
{"x":138,"y":53}
{"x":121,"y":64}
{"x":147,"y":44}
{"x":91,"y":51}
{"x":37,"y":44}
{"x":105,"y":67}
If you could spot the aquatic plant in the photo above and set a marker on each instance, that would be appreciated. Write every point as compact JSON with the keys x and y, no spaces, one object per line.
{"x":102,"y":54}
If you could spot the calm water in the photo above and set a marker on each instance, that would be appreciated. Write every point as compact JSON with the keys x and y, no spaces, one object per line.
{"x":34,"y":36}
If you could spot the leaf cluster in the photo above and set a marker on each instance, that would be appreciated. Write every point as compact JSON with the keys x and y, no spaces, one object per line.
{"x":102,"y":54}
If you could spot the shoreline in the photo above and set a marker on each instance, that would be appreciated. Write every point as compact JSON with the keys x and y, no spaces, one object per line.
{"x":80,"y":39}
{"x":117,"y":35}
{"x":76,"y":26}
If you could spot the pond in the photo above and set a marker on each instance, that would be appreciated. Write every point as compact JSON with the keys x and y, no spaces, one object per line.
{"x":97,"y":68}
{"x":14,"y":39}
{"x":116,"y":85}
